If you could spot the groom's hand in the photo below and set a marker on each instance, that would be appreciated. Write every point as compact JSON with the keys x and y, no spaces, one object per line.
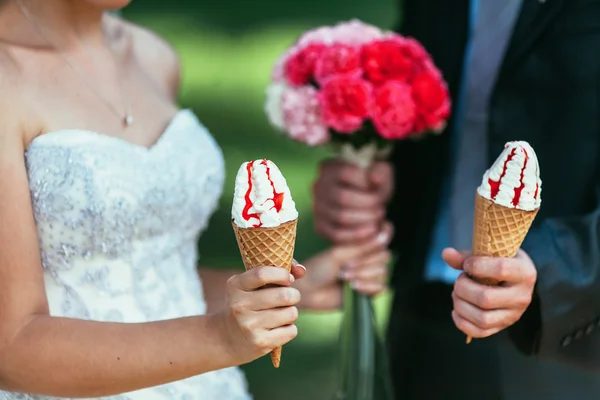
{"x":350,"y":203}
{"x":480,"y":310}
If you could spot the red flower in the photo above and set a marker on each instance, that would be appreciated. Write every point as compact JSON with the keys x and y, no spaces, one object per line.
{"x":390,"y":59}
{"x":393,"y":113}
{"x":337,"y":59}
{"x":416,"y":50}
{"x":430,"y":94}
{"x":345,"y":102}
{"x":299,"y":68}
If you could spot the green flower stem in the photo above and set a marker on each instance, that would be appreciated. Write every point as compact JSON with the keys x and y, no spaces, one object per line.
{"x":364,"y":369}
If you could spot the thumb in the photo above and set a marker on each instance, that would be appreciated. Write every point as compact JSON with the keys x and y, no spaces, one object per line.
{"x":454,"y":258}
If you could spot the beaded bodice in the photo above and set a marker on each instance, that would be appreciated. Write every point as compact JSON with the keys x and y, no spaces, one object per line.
{"x":118,"y":226}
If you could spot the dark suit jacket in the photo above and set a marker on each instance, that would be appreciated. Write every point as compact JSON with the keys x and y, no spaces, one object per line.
{"x":547,"y":93}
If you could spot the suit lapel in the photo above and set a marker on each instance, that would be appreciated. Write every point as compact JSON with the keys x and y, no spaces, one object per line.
{"x":535,"y":17}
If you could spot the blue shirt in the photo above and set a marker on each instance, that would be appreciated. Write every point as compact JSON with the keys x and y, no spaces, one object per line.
{"x":495,"y":18}
{"x":435,"y":268}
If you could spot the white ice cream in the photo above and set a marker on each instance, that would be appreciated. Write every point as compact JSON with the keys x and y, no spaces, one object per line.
{"x":261,"y":197}
{"x":514,"y":179}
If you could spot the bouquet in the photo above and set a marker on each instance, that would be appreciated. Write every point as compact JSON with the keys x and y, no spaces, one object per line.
{"x":358,"y":89}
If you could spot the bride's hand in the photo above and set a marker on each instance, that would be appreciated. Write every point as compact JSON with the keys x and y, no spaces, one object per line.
{"x":255,"y":319}
{"x":364,"y":266}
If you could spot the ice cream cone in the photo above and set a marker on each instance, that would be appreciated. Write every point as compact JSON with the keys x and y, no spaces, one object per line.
{"x":267,"y":246}
{"x":498,"y":231}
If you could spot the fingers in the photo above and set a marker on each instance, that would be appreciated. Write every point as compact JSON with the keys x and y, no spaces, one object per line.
{"x":371,"y":276}
{"x":349,"y":217}
{"x":279,"y":317}
{"x":341,"y":235}
{"x":261,"y":276}
{"x":279,"y":336}
{"x":340,"y":196}
{"x":298,"y":270}
{"x":485,"y":320}
{"x":369,"y":288}
{"x":470,"y":329}
{"x":454,"y":258}
{"x":273,"y":297}
{"x":381,"y":175}
{"x":347,"y":206}
{"x":511,"y":270}
{"x":354,"y":254}
{"x":490,"y":297}
{"x":375,"y":266}
{"x":345,"y":174}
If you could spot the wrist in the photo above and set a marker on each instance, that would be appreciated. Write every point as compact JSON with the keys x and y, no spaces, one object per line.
{"x":223,"y":339}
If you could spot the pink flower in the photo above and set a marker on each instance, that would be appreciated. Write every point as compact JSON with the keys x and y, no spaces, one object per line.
{"x":337,"y":59}
{"x":345,"y":102}
{"x":302,"y":116}
{"x":393,"y":112}
{"x":319,"y":35}
{"x":355,"y":33}
{"x":299,"y":67}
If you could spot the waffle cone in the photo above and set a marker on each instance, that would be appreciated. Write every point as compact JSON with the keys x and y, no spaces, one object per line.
{"x":498,"y":231}
{"x":267,"y":246}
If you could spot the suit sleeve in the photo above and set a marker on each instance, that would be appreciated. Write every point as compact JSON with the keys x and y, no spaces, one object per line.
{"x":563,"y":321}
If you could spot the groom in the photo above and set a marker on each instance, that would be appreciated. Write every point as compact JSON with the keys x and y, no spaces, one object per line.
{"x":517,"y":70}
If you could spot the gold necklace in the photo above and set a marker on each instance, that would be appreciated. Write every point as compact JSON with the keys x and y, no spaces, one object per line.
{"x":126,"y":118}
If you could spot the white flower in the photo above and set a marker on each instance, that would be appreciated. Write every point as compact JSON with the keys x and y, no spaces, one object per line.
{"x":273,"y":104}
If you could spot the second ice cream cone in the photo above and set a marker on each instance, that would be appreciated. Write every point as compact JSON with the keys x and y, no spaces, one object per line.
{"x":506,"y":203}
{"x":268,"y":246}
{"x":498,"y":231}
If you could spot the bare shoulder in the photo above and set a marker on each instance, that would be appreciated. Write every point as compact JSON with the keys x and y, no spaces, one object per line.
{"x":156,"y":54}
{"x":12,"y":101}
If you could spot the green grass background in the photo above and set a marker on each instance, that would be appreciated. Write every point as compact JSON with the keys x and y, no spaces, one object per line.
{"x":227,"y":49}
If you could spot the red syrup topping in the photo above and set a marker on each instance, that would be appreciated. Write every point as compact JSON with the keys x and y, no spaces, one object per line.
{"x":246,"y":211}
{"x":537,"y":184}
{"x":495,"y":185}
{"x":519,"y":190}
{"x":277,"y":197}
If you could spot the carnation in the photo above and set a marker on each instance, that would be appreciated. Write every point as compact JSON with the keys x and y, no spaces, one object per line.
{"x":432,"y":99}
{"x":301,"y":115}
{"x":393,"y":111}
{"x":387,"y":59}
{"x":273,"y":104}
{"x":355,"y":33}
{"x":322,"y":35}
{"x":345,"y":102}
{"x":337,"y":59}
{"x":299,"y":67}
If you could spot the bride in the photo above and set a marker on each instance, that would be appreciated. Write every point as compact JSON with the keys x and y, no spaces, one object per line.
{"x":104,"y":189}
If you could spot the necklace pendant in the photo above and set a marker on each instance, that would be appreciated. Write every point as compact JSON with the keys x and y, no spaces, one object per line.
{"x":128,"y":120}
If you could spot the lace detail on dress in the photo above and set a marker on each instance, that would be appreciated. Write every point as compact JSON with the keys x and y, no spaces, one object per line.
{"x":118,"y":226}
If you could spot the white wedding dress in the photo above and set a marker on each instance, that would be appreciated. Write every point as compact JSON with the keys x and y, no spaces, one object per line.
{"x":118,"y":226}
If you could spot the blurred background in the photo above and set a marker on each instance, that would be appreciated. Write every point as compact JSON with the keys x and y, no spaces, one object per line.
{"x":227,"y":49}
